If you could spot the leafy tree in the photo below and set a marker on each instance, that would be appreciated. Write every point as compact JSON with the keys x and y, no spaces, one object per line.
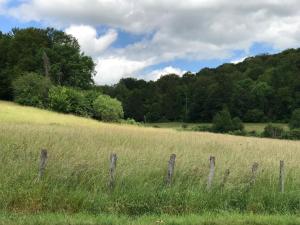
{"x":108,"y":109}
{"x":31,"y":89}
{"x":295,"y":119}
{"x":222,"y":122}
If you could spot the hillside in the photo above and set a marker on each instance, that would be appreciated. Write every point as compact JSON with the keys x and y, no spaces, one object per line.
{"x":76,"y":175}
{"x":262,"y":88}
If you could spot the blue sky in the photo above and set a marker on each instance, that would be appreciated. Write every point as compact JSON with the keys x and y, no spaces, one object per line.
{"x":151,"y":38}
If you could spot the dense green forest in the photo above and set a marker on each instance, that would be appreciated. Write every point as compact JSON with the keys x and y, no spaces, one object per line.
{"x":47,"y":52}
{"x":260,"y":89}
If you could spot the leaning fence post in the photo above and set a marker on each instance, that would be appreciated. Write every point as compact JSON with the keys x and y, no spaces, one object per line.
{"x":171,"y":166}
{"x":112,"y":169}
{"x":43,"y":161}
{"x":281,"y":176}
{"x":254,"y":173}
{"x":212,"y":163}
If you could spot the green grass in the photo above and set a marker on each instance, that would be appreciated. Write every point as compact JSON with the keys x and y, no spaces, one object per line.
{"x":258,"y":127}
{"x":205,"y":219}
{"x":77,"y":170}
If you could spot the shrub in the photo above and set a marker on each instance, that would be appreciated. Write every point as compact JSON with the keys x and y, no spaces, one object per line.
{"x":293,"y":134}
{"x":237,"y":124}
{"x":223,"y":123}
{"x":91,"y":96}
{"x":107,"y":108}
{"x":295,"y":119}
{"x":68,"y":100}
{"x":31,"y":89}
{"x":78,"y":104}
{"x":130,"y":121}
{"x":273,"y":131}
{"x":58,"y":99}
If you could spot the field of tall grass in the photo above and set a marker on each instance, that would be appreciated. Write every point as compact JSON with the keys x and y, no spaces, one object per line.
{"x":76,"y":178}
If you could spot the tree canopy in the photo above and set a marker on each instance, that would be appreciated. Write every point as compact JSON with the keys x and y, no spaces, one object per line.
{"x":259,"y":89}
{"x":47,"y":52}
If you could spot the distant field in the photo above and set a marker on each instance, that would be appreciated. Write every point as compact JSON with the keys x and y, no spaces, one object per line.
{"x":258,"y":127}
{"x":77,"y":171}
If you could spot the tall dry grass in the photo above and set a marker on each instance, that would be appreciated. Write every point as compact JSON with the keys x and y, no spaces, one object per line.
{"x":77,"y":170}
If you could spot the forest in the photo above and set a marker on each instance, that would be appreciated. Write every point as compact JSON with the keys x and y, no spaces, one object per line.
{"x":264,"y":88}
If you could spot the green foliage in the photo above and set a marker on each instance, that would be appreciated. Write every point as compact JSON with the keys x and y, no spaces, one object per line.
{"x":58,"y":99}
{"x":24,"y":50}
{"x":295,"y":119}
{"x":107,"y":108}
{"x":255,"y":116}
{"x":237,"y":124}
{"x":273,"y":131}
{"x":259,"y":89}
{"x":223,"y":122}
{"x":293,"y":134}
{"x":130,"y":122}
{"x":31,"y":89}
{"x":69,"y":100}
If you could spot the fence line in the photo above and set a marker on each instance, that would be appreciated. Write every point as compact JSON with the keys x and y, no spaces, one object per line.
{"x":171,"y":170}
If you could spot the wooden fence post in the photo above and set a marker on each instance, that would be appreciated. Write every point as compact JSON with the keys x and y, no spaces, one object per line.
{"x":225,"y":178}
{"x":281,"y":176}
{"x":112,"y":170}
{"x":43,"y":161}
{"x":171,"y":166}
{"x":212,"y":163}
{"x":254,"y":173}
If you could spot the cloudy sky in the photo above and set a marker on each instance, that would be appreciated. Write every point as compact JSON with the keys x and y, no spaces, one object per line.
{"x":148,"y":38}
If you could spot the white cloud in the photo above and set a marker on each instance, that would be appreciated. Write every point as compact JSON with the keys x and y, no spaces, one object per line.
{"x":194,"y":29}
{"x":112,"y":69}
{"x":156,"y":74}
{"x":236,"y":61}
{"x":88,"y":40}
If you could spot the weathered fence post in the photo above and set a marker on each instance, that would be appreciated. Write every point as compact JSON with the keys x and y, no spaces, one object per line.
{"x":171,"y":166}
{"x":281,"y":176}
{"x":43,"y":161}
{"x":112,"y":170}
{"x":226,"y":175}
{"x":254,"y":173}
{"x":212,"y":163}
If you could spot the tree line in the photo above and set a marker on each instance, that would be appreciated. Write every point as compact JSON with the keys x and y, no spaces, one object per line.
{"x":264,"y":88}
{"x":46,"y":68}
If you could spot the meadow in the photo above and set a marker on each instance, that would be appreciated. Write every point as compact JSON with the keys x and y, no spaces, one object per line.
{"x":258,"y":127}
{"x":76,"y":178}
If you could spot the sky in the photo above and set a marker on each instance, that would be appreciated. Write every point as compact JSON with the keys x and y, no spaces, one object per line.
{"x":149,"y":38}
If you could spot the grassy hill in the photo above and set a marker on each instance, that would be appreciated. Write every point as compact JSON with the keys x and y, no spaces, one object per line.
{"x":78,"y":162}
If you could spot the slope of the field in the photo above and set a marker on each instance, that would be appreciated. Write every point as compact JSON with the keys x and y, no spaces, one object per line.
{"x":77,"y":169}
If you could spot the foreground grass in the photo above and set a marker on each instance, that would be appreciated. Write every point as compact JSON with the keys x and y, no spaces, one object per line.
{"x":77,"y":170}
{"x":205,"y":219}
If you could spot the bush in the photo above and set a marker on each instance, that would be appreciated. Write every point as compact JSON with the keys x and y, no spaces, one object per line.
{"x":237,"y":124}
{"x":107,"y":108}
{"x":31,"y":89}
{"x":223,"y":123}
{"x":292,"y":134}
{"x":130,"y":121}
{"x":68,"y":100}
{"x":273,"y":131}
{"x":295,"y":119}
{"x":58,"y":99}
